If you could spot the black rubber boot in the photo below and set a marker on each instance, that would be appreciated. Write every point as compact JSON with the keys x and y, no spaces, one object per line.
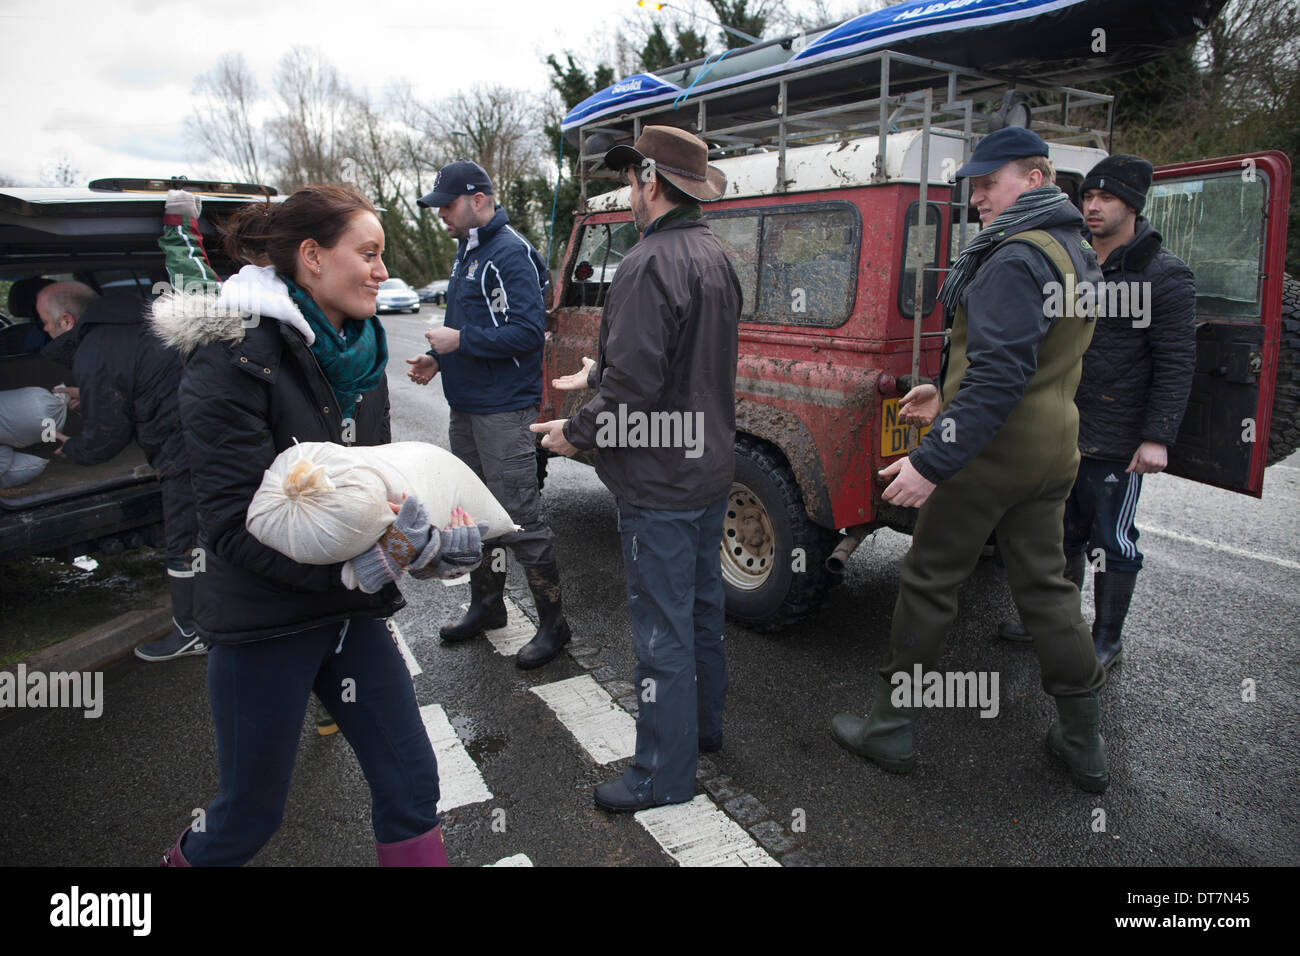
{"x":487,"y":606}
{"x":552,"y":629}
{"x":184,"y":639}
{"x":1076,"y":739}
{"x":884,"y":736}
{"x":1113,"y":594}
{"x":1012,"y":630}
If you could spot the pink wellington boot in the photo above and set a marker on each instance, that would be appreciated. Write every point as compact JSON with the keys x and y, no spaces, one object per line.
{"x":174,"y":856}
{"x":423,"y":850}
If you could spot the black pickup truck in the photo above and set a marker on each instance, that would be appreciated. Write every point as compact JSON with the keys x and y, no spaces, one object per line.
{"x":106,"y":236}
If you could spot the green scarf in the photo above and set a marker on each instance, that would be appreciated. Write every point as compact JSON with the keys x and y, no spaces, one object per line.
{"x":676,"y":214}
{"x":353,"y":361}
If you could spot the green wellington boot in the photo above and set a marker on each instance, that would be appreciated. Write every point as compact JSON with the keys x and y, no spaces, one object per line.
{"x":884,"y":737}
{"x":1076,"y":739}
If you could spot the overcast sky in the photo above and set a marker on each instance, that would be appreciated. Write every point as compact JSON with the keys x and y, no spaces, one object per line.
{"x":106,"y":83}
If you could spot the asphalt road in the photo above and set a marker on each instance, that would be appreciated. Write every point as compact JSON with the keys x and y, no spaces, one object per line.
{"x":1199,"y":775}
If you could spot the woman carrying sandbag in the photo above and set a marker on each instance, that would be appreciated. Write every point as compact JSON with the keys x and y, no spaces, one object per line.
{"x":292,"y":350}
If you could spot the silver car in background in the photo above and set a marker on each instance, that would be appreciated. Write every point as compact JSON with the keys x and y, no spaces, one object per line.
{"x":396,"y":296}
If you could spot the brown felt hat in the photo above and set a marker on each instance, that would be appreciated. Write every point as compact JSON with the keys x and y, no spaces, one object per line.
{"x":679,"y":157}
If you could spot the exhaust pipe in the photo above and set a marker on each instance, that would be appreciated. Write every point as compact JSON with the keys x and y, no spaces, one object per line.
{"x":848,"y":544}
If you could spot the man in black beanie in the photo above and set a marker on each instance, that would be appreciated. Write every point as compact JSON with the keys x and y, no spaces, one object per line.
{"x":1137,"y":375}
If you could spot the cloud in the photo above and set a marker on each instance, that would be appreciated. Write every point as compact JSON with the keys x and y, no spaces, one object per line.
{"x":109,"y":85}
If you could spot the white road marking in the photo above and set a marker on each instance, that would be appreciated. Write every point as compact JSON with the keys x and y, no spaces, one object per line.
{"x":519,"y":859}
{"x":606,"y":731}
{"x":1202,"y":542}
{"x":459,"y":781}
{"x":699,"y":834}
{"x":455,"y":582}
{"x":412,"y":665}
{"x":519,"y":630}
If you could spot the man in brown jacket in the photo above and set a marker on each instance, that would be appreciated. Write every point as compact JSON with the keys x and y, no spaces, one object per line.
{"x":663,"y":421}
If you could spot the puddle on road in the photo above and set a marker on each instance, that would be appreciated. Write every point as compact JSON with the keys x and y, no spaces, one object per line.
{"x":43,"y":600}
{"x":479,"y":745}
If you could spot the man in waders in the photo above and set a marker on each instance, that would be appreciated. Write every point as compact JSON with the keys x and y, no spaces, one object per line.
{"x":1002,"y":455}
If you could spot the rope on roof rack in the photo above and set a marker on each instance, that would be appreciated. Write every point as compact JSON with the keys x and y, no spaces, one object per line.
{"x":708,"y":65}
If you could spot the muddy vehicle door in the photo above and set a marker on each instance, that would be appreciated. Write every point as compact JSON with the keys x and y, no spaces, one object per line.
{"x":1227,"y":219}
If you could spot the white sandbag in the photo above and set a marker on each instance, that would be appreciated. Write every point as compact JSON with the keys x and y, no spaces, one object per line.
{"x":18,"y":469}
{"x":322,"y":503}
{"x":25,"y":412}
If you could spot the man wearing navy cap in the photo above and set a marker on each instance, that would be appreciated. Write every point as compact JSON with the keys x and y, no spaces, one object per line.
{"x":1137,"y":377}
{"x":1001,"y":455}
{"x":489,"y":351}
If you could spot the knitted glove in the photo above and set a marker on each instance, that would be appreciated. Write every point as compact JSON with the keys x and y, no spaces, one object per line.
{"x":183,"y":204}
{"x":402,"y":544}
{"x":460,"y":549}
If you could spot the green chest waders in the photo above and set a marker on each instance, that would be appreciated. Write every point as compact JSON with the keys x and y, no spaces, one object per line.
{"x":1017,"y":486}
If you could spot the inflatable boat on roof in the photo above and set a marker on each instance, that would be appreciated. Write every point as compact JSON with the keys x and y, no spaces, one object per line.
{"x":1044,"y":41}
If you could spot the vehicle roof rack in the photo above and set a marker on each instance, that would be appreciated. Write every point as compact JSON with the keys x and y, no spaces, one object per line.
{"x":200,"y":186}
{"x":857,"y":96}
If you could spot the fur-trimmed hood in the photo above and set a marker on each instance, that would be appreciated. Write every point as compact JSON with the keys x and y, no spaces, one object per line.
{"x":187,"y":319}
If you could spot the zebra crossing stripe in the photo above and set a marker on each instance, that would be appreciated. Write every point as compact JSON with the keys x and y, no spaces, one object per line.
{"x":459,"y":780}
{"x":519,"y":859}
{"x":605,"y":730}
{"x":412,"y":665}
{"x":519,"y":630}
{"x":699,"y":834}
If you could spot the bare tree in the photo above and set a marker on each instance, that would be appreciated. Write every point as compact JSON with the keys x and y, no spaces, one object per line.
{"x":821,"y":13}
{"x":61,"y":172}
{"x":394,"y":164}
{"x":223,"y":124}
{"x":309,"y":136}
{"x":495,"y":126}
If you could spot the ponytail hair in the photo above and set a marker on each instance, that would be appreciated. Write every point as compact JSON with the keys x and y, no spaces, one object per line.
{"x":270,"y":234}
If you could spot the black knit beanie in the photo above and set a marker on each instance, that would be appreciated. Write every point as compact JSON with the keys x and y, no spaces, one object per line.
{"x":1122,"y":175}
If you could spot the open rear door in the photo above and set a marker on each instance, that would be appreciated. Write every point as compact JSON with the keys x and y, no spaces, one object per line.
{"x":1227,"y":218}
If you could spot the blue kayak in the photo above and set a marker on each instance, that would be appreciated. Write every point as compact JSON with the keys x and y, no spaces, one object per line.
{"x":1061,"y":42}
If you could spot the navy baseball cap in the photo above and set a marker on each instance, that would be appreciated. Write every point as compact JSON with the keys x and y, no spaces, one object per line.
{"x":461,"y":178}
{"x":1001,"y":147}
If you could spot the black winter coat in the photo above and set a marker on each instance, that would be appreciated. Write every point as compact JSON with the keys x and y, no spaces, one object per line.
{"x":127,"y":381}
{"x":245,"y":395}
{"x":1137,"y":375}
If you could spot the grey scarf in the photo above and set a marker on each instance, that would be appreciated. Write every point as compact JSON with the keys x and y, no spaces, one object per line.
{"x":1031,"y":205}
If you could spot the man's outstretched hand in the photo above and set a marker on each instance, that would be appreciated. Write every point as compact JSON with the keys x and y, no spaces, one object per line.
{"x":919,"y":406}
{"x":423,"y":369}
{"x":574,"y":381}
{"x":553,"y":439}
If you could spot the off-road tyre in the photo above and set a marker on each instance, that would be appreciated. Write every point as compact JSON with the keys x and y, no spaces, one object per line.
{"x":1284,"y":433}
{"x":764,"y":524}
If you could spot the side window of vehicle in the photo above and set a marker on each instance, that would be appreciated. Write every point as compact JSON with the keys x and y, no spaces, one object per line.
{"x":926,"y":241}
{"x":1215,"y":225}
{"x":738,"y":236}
{"x":808,"y":273}
{"x":601,"y":248}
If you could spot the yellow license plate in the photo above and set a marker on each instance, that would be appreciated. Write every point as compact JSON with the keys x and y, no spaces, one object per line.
{"x":895,"y":438}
